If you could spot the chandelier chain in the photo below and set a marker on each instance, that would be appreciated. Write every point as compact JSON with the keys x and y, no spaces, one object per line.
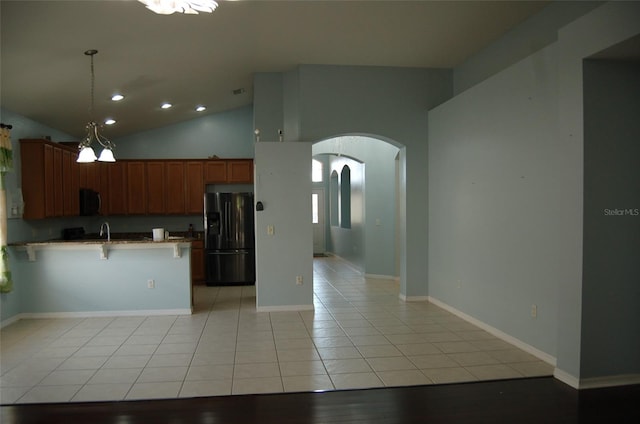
{"x":93,"y":81}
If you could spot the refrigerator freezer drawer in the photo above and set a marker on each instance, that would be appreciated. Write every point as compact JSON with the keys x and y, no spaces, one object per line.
{"x":230,"y":267}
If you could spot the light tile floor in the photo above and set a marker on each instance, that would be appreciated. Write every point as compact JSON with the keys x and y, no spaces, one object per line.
{"x":360,"y":335}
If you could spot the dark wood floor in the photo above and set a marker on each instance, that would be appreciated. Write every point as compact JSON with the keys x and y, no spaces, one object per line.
{"x":536,"y":400}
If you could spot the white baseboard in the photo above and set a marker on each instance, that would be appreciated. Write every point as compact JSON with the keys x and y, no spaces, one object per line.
{"x":406,"y":298}
{"x":498,"y":333}
{"x":346,"y":261}
{"x":10,"y":321}
{"x":609,"y":381}
{"x":284,"y":308}
{"x":96,"y":314}
{"x":596,"y":382}
{"x":380,"y":276}
{"x":566,"y":378}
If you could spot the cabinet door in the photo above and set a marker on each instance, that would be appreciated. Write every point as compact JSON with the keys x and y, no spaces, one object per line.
{"x":136,"y":188}
{"x":103,"y":171}
{"x":175,"y":187}
{"x":34,"y":191}
{"x":117,"y":204}
{"x":195,"y":187}
{"x":70,"y":204}
{"x":215,"y":172}
{"x":240,"y":171}
{"x":156,"y":187}
{"x":49,"y":184}
{"x":58,"y":196}
{"x":197,"y":261}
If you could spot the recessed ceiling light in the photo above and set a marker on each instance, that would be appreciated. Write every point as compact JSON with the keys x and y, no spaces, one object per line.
{"x":200,"y":108}
{"x":109,"y":121}
{"x":117,"y":97}
{"x":166,"y":105}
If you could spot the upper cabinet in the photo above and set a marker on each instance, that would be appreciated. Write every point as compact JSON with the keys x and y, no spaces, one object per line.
{"x":215,"y":171}
{"x":175,"y":184}
{"x":194,"y":187}
{"x":51,"y":179}
{"x":156,"y":191}
{"x":228,"y":171}
{"x":239,"y":171}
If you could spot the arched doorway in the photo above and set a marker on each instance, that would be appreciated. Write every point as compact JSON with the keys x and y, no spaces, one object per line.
{"x":361,"y":185}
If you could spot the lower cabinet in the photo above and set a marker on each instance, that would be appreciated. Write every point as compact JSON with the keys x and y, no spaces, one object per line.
{"x":197,"y":261}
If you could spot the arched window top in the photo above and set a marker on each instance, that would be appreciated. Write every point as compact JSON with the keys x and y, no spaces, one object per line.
{"x":316,"y":171}
{"x":345,"y":197}
{"x":334,"y":216}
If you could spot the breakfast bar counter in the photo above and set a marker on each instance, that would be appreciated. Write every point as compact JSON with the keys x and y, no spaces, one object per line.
{"x":97,"y":277}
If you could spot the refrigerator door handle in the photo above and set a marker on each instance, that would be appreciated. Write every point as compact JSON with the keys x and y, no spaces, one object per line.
{"x":227,"y":209}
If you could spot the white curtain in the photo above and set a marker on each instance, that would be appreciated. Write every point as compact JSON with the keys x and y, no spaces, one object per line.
{"x":6,"y":164}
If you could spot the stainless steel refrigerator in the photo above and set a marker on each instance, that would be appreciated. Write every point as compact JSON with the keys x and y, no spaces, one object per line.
{"x":229,"y":239}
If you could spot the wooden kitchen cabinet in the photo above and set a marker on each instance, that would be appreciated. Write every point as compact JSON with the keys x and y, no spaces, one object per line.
{"x":156,"y":192}
{"x":70,"y":184}
{"x":117,"y":182}
{"x":215,"y":171}
{"x":58,"y":191}
{"x":49,"y":185}
{"x":194,"y":171}
{"x":103,"y":188}
{"x":228,"y":171}
{"x":197,"y":261}
{"x":90,"y":176}
{"x":47,"y":171}
{"x":239,"y":171}
{"x":136,"y":188}
{"x":175,"y":187}
{"x":51,"y":179}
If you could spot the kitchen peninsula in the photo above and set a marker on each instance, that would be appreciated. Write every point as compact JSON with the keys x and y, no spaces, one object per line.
{"x":96,"y":277}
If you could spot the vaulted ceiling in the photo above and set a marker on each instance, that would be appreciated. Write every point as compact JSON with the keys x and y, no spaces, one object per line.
{"x":201,"y":59}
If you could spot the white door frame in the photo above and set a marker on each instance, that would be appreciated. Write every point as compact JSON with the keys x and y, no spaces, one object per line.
{"x":319,"y":228}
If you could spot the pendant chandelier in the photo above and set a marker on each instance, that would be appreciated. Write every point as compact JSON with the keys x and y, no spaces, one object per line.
{"x":167,"y":7}
{"x":87,"y":154}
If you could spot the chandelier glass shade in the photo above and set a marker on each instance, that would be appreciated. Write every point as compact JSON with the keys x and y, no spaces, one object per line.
{"x":168,"y":7}
{"x":87,"y":154}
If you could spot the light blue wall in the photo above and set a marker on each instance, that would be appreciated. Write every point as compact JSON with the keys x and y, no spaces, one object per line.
{"x":227,"y":135}
{"x":379,"y":230}
{"x":283,"y":185}
{"x":611,"y":289}
{"x":602,"y":28}
{"x":18,"y":229}
{"x":535,"y":33}
{"x":506,"y":195}
{"x":390,"y":103}
{"x":60,"y":281}
{"x":268,"y":113}
{"x":498,"y":212}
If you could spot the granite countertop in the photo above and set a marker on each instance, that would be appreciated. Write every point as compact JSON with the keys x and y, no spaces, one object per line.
{"x":116,"y":238}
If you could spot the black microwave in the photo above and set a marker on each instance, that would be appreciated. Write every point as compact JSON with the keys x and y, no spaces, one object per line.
{"x":89,"y":202}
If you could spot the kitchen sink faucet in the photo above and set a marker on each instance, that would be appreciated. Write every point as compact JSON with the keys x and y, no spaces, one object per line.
{"x":105,"y":224}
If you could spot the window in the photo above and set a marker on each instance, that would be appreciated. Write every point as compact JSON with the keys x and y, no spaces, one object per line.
{"x":345,"y":197}
{"x":316,"y":171}
{"x":314,"y":208}
{"x":333,"y":192}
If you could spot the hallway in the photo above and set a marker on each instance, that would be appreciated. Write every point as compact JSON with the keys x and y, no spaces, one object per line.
{"x":360,"y":335}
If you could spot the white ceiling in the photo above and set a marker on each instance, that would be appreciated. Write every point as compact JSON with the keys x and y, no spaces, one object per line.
{"x":193,"y":59}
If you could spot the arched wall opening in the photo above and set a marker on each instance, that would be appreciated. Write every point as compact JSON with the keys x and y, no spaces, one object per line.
{"x":365,"y":172}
